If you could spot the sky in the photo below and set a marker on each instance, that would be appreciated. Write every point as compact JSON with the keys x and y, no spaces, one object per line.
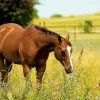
{"x":48,"y":8}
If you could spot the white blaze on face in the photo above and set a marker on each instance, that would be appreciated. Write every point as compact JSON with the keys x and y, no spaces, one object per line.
{"x":69,"y":52}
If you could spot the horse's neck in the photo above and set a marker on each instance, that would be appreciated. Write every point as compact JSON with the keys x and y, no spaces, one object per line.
{"x":44,"y":40}
{"x":50,"y":43}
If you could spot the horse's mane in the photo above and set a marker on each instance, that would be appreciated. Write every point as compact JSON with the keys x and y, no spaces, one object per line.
{"x":45,"y":30}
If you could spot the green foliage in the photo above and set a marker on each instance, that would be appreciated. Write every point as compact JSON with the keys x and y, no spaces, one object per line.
{"x":35,"y":13}
{"x":87,"y":26}
{"x":17,"y":11}
{"x":56,"y":16}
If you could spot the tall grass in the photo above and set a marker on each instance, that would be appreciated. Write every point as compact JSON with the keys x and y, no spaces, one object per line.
{"x":82,"y":84}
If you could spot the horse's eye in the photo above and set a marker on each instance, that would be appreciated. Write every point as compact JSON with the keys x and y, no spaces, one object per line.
{"x":63,"y":53}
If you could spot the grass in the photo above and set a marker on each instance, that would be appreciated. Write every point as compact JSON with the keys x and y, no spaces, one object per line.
{"x":82,"y":84}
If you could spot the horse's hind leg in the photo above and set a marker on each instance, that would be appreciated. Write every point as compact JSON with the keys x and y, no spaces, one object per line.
{"x":1,"y":65}
{"x":2,"y":69}
{"x":5,"y":68}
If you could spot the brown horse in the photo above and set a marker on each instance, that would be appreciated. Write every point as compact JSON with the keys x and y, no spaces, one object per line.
{"x":30,"y":47}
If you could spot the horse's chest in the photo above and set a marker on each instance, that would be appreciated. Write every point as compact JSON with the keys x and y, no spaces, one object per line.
{"x":41,"y":58}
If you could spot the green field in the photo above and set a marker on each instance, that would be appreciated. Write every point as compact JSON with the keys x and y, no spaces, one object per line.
{"x":82,"y":84}
{"x":72,"y":20}
{"x":65,"y":24}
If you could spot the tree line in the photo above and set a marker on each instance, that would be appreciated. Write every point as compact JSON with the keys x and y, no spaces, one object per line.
{"x":17,"y":11}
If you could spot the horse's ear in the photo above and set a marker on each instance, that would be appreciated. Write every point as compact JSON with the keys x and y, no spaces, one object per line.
{"x":67,"y":37}
{"x":59,"y":39}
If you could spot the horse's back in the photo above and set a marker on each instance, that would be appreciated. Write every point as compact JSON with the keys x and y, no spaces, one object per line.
{"x":10,"y":25}
{"x":8,"y":29}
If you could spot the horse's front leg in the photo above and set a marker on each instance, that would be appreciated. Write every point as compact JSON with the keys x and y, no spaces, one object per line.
{"x":26,"y":72}
{"x":40,"y":71}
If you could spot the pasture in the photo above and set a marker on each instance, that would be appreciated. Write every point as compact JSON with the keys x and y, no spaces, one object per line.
{"x":69,"y":24}
{"x":82,"y":84}
{"x":71,"y":20}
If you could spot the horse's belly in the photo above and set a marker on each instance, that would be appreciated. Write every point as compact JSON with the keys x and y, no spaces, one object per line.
{"x":12,"y":57}
{"x":15,"y":57}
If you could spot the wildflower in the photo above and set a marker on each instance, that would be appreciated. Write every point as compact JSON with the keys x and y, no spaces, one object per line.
{"x":9,"y":95}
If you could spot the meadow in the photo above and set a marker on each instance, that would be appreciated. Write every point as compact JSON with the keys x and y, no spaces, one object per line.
{"x":66,"y":24}
{"x":82,"y":84}
{"x":71,"y":20}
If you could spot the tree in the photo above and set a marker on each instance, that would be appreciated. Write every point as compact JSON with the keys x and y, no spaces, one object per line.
{"x":17,"y":11}
{"x":35,"y":13}
{"x":56,"y":16}
{"x":87,"y":26}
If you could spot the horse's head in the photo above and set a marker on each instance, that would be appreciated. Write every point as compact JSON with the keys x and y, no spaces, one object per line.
{"x":63,"y":53}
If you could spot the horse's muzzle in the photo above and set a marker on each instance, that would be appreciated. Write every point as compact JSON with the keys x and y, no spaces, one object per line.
{"x":68,"y":71}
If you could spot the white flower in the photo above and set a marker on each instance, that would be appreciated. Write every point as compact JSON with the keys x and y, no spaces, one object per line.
{"x":9,"y":95}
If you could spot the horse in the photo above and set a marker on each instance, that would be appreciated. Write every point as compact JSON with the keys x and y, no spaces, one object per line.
{"x":31,"y":47}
